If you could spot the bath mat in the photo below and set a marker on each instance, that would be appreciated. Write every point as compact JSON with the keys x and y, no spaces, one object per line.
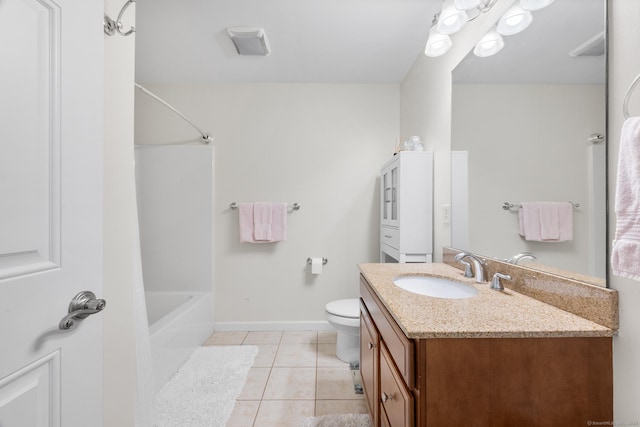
{"x":342,"y":420}
{"x":203,"y":391}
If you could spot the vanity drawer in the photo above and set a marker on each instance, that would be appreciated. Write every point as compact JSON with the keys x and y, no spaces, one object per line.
{"x":395,"y":399}
{"x":399,"y":346}
{"x":390,"y":237}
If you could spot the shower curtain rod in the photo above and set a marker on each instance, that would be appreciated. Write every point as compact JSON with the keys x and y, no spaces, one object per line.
{"x":205,"y":137}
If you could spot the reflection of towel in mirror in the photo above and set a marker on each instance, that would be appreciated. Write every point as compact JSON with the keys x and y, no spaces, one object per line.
{"x":625,"y":254}
{"x":546,"y":221}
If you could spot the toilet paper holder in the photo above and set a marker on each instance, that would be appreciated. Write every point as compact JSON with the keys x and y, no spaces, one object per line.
{"x":324,"y":261}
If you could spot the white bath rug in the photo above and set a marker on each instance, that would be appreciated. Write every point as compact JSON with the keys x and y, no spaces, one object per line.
{"x":342,"y":420}
{"x":203,"y":392}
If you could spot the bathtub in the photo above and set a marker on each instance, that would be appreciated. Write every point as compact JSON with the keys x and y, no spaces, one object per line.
{"x":179,"y":322}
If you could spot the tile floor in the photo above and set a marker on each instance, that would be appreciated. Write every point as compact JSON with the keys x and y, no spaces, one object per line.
{"x":295,"y":375}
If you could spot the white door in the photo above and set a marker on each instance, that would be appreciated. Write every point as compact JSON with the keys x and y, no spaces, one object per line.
{"x":51,"y":113}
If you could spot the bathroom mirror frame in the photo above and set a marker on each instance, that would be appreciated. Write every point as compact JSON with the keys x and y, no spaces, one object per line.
{"x":512,"y":213}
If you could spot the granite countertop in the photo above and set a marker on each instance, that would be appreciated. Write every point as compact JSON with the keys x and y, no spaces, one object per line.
{"x":490,"y":314}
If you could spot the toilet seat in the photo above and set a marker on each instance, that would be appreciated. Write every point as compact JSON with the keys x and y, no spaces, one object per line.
{"x":349,"y":308}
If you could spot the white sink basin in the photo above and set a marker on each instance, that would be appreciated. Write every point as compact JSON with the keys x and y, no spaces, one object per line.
{"x":435,"y":287}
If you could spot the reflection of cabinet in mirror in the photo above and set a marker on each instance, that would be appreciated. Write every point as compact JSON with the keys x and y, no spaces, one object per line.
{"x":406,"y":211}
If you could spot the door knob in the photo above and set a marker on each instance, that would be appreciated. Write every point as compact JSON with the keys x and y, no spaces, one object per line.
{"x":81,"y":306}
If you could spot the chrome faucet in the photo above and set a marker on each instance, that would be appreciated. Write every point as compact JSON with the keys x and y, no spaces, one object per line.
{"x":517,"y":257}
{"x":477,"y":265}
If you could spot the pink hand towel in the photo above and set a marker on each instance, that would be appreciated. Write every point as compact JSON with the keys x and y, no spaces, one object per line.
{"x":262,"y":221}
{"x":529,"y":221}
{"x":278,"y":221}
{"x":565,"y":221}
{"x":245,"y":217}
{"x":549,"y":221}
{"x":546,"y":221}
{"x":625,"y":254}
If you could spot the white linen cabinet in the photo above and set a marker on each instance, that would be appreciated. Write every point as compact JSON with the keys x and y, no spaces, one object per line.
{"x":406,"y":211}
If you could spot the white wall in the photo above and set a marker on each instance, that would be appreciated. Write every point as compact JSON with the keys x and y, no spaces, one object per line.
{"x":119,"y":373}
{"x":624,"y":66}
{"x":320,"y":145}
{"x":521,"y":159}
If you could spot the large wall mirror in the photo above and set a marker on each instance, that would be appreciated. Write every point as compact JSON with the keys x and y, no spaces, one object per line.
{"x":525,"y":127}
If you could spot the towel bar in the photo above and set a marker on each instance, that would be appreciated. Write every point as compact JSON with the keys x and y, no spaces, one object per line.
{"x":506,"y":205}
{"x":295,"y":206}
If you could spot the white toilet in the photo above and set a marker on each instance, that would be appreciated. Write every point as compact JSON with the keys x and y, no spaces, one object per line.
{"x":344,"y":315}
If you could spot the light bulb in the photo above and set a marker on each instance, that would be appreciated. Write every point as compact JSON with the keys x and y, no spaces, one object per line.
{"x":490,"y":44}
{"x":451,"y":20}
{"x":466,"y":4}
{"x":534,"y":4}
{"x":514,"y":20}
{"x":437,"y":44}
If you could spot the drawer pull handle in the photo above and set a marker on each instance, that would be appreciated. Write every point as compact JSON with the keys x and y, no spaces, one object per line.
{"x":386,"y":397}
{"x":371,"y":345}
{"x":387,"y":236}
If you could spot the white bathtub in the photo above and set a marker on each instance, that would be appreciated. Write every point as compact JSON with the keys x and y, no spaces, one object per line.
{"x":179,"y":322}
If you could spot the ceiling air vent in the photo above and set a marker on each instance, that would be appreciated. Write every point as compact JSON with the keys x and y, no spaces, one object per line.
{"x":249,"y":40}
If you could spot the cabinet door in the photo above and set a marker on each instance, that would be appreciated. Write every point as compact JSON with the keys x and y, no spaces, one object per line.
{"x":389,"y":181}
{"x":369,"y":345}
{"x":395,"y":176}
{"x":396,"y":400}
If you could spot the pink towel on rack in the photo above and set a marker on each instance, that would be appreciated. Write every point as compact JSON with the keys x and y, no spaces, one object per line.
{"x":278,"y":221}
{"x":245,"y":217}
{"x":252,"y":216}
{"x":625,"y":254}
{"x":546,"y":221}
{"x":262,"y":221}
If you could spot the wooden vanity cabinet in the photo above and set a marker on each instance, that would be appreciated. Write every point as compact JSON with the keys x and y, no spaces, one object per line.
{"x":564,"y":381}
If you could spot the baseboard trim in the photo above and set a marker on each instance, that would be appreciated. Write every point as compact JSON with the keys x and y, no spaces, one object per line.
{"x":321,"y":325}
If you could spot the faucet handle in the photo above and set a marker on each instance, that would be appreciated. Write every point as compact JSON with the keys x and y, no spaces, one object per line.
{"x":467,"y":268}
{"x":495,"y":282}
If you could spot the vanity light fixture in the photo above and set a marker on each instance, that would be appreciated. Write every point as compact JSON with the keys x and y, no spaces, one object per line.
{"x":534,"y":4}
{"x":514,"y":20}
{"x":437,"y":44}
{"x":490,"y":44}
{"x":466,"y":4}
{"x":451,"y":19}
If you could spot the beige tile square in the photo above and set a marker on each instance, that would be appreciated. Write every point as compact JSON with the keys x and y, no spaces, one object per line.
{"x":327,"y":337}
{"x":299,"y":337}
{"x":291,"y":383}
{"x":266,"y":355}
{"x":329,"y":407}
{"x":283,"y":413}
{"x":244,"y":413}
{"x":225,"y":338}
{"x":296,"y":355}
{"x":263,"y":337}
{"x":327,"y":357}
{"x":255,"y":384}
{"x":336,"y":383}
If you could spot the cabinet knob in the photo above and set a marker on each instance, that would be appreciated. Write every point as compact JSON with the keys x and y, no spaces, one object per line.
{"x":371,"y":345}
{"x":386,"y":397}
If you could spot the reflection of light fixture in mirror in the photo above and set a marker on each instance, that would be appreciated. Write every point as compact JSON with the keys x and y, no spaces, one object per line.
{"x":466,"y":4}
{"x":451,"y":19}
{"x":490,"y":44}
{"x":514,"y":20}
{"x":534,"y":4}
{"x":437,"y":44}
